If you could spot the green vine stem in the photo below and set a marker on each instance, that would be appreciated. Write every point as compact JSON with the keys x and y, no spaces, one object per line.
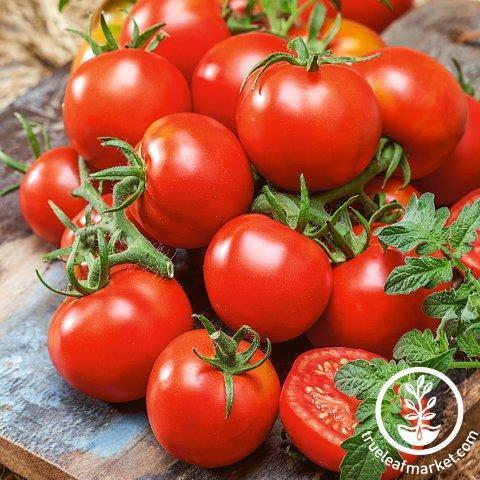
{"x":228,"y":359}
{"x":310,"y":214}
{"x":97,"y":244}
{"x":464,"y":365}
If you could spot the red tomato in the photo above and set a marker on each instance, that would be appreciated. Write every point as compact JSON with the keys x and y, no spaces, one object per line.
{"x":105,"y":344}
{"x":352,"y":40}
{"x":461,"y":172}
{"x":52,"y":176}
{"x":360,"y":314}
{"x":194,"y":26}
{"x":119,"y":94}
{"x":325,"y":124}
{"x":198,"y":179}
{"x":186,"y":404}
{"x":393,"y":190}
{"x":415,"y":93}
{"x":261,"y":273}
{"x":472,"y":258}
{"x":318,"y":417}
{"x":218,"y":77}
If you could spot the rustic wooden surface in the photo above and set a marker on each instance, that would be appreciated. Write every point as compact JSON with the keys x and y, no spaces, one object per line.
{"x":49,"y":431}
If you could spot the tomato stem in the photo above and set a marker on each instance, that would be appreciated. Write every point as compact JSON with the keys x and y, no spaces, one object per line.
{"x":228,"y":359}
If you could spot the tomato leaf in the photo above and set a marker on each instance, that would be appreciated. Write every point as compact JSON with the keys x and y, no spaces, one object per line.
{"x":363,"y":379}
{"x":359,"y":463}
{"x":417,"y":273}
{"x":468,"y":340}
{"x":463,"y":231}
{"x":422,"y":227}
{"x":423,"y":349}
{"x":449,"y":303}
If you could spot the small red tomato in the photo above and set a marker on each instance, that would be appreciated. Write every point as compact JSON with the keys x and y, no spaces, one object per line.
{"x":186,"y":404}
{"x":461,"y":172}
{"x":105,"y":344}
{"x":193,"y":26}
{"x":198,"y":178}
{"x":472,"y":258}
{"x":352,"y":40}
{"x":415,"y":92}
{"x":325,"y":124}
{"x":261,"y":273}
{"x":316,"y":415}
{"x":394,"y":190}
{"x":218,"y":77}
{"x":52,"y":176}
{"x":360,"y":314}
{"x":119,"y":94}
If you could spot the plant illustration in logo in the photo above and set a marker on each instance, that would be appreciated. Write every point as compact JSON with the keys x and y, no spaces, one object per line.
{"x":421,"y":433}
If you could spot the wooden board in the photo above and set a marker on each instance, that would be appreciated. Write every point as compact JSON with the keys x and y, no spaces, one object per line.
{"x":49,"y":431}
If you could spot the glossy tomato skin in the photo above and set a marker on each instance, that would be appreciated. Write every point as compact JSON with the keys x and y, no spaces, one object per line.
{"x":472,"y":258}
{"x":394,"y":190}
{"x":105,"y":344}
{"x":261,"y":273}
{"x":422,"y":105}
{"x":461,"y":172}
{"x":218,"y":77}
{"x":52,"y":176}
{"x":352,"y":40}
{"x":360,"y":314}
{"x":119,"y":94}
{"x":198,"y":178}
{"x":194,"y":26}
{"x":186,"y":404}
{"x":317,"y":417}
{"x":324,"y":124}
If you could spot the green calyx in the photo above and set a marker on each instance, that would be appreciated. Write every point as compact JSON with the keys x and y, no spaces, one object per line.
{"x":33,"y":131}
{"x":114,"y":240}
{"x":150,"y":38}
{"x":228,"y":359}
{"x":131,"y":177}
{"x":327,"y":217}
{"x":302,"y":56}
{"x":466,"y":86}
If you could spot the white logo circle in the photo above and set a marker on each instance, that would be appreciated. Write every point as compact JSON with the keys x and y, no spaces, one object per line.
{"x":391,"y":382}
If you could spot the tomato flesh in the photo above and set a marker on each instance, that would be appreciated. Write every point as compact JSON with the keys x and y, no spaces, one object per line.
{"x":318,"y":417}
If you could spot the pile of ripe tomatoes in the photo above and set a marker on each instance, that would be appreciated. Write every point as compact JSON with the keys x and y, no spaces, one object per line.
{"x":211,"y":118}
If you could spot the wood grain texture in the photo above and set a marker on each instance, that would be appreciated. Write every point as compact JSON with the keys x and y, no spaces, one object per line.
{"x":48,"y":430}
